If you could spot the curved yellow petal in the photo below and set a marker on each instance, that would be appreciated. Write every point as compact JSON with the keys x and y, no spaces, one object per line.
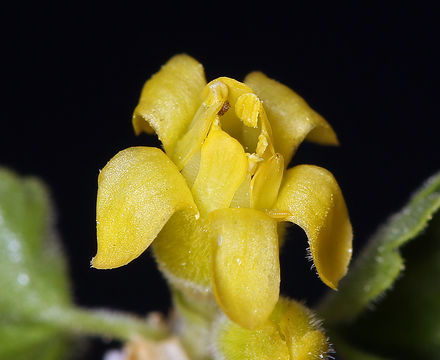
{"x":242,"y":196}
{"x":236,"y":89}
{"x":170,"y":99}
{"x":246,"y":270}
{"x":183,"y":252}
{"x":223,"y":167}
{"x":138,"y":191}
{"x":214,"y":98}
{"x":265,"y":147}
{"x":191,"y":169}
{"x":311,"y":198}
{"x":291,"y":118}
{"x":266,"y":182}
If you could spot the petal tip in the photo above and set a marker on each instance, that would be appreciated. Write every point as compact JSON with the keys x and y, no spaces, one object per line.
{"x":335,"y":141}
{"x":332,"y":285}
{"x":98,"y":263}
{"x":102,"y":262}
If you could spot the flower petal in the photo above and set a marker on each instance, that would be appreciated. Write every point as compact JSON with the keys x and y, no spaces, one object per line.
{"x":215,"y":95}
{"x":246,"y":270}
{"x":170,"y":99}
{"x":311,"y":198}
{"x":223,"y":167}
{"x":266,"y":182}
{"x":236,"y":89}
{"x":242,"y":195}
{"x":191,"y":169}
{"x":138,"y":191}
{"x":291,"y":118}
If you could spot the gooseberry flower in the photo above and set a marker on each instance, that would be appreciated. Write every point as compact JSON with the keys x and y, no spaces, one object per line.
{"x":215,"y":200}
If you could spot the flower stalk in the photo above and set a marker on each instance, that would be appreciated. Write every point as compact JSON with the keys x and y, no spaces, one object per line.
{"x":102,"y":323}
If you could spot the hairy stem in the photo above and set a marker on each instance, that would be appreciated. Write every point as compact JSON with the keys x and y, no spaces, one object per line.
{"x":102,"y":323}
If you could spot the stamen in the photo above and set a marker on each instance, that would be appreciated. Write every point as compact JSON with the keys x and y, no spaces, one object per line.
{"x":247,"y":109}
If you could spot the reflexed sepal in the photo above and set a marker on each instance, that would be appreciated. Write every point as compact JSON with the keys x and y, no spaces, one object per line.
{"x":138,"y":191}
{"x":291,"y":332}
{"x":311,"y":198}
{"x":291,"y":118}
{"x":170,"y":99}
{"x":245,"y":264}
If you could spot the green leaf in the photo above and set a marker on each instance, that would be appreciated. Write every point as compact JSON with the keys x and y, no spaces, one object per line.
{"x":20,"y":341}
{"x":33,"y":274}
{"x":380,"y":264}
{"x":406,"y":323}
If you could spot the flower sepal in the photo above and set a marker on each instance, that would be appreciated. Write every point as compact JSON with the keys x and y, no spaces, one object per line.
{"x":138,"y":191}
{"x":292,"y":332}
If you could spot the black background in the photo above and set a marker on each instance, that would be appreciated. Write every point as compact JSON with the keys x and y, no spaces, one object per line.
{"x":71,"y":78}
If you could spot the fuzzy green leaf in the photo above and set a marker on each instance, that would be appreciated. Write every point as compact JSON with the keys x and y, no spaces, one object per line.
{"x":380,"y":264}
{"x":32,"y":270}
{"x":406,"y":323}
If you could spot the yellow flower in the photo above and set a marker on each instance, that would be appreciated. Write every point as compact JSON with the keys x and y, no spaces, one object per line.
{"x":214,"y":201}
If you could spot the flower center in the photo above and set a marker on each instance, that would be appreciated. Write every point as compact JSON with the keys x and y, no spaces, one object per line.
{"x":230,"y":140}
